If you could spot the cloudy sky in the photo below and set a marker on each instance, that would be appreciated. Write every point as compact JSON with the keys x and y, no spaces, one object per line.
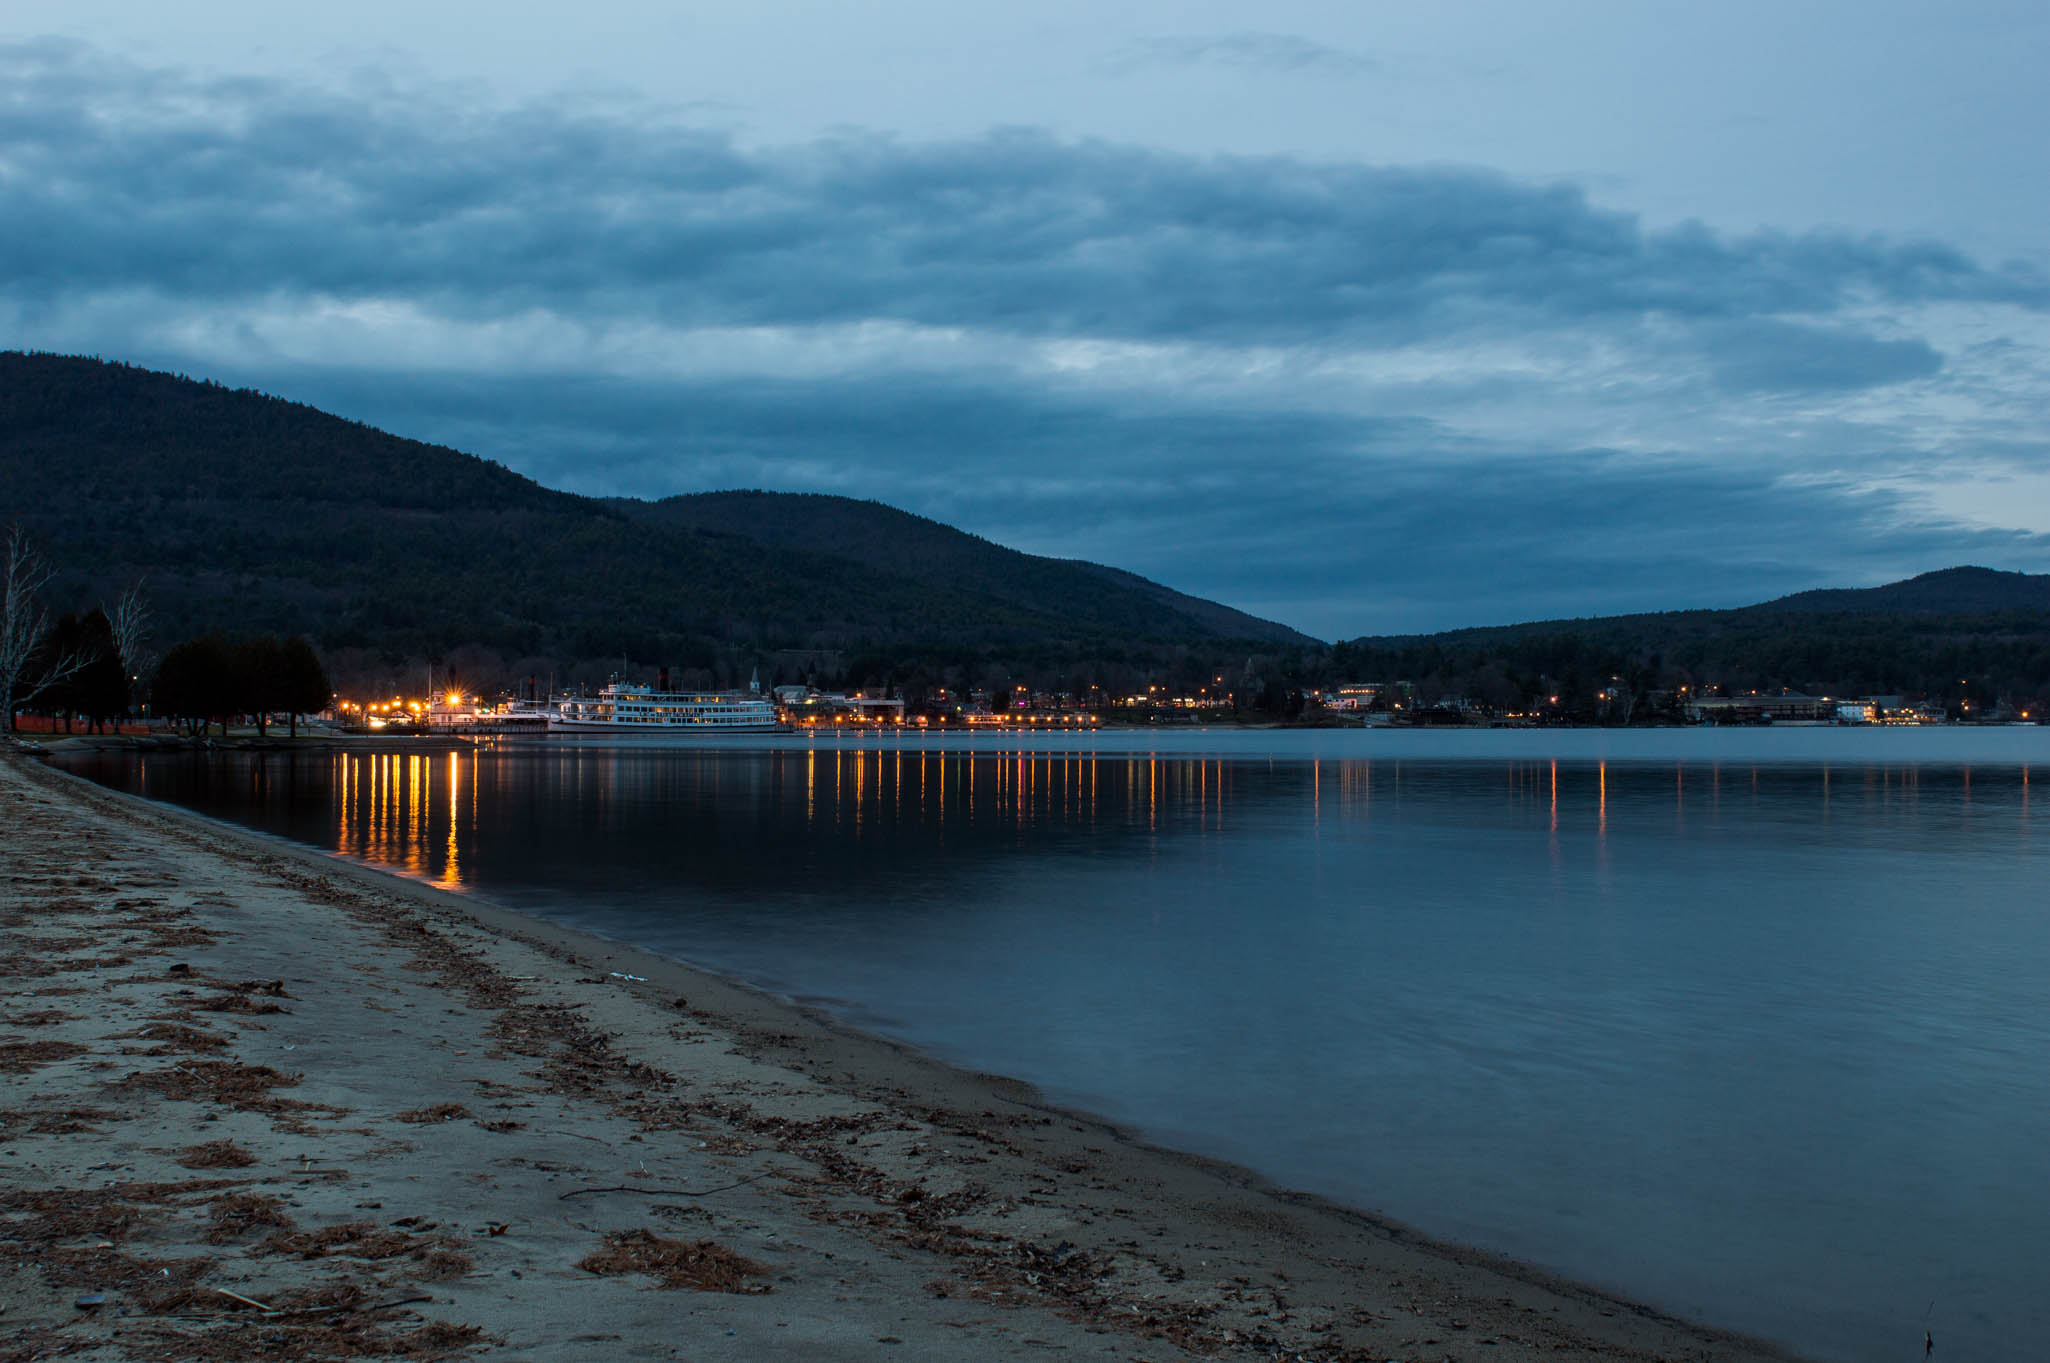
{"x":1368,"y":318}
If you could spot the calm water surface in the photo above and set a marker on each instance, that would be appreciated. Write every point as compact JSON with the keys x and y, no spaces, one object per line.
{"x":1753,"y":1026}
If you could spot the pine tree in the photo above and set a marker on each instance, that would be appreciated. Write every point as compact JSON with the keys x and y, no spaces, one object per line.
{"x":305,"y":685}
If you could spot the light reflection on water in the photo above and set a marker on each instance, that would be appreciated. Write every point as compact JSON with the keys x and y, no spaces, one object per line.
{"x":1761,"y":1041}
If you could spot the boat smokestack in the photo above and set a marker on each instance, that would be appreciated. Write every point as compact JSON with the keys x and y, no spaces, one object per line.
{"x":662,"y":680}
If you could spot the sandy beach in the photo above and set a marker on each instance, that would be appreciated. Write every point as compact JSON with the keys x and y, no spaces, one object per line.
{"x":265,"y":1103}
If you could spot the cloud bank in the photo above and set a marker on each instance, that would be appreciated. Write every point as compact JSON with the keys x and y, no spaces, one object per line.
{"x":1357,"y":398}
{"x":1249,"y":51}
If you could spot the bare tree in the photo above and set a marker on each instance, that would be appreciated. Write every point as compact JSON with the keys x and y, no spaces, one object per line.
{"x":130,"y":621}
{"x":23,"y":623}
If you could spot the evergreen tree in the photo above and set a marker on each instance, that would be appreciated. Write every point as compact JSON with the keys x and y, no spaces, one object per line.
{"x":63,"y":640}
{"x":99,"y":690}
{"x":194,"y":683}
{"x":305,"y":685}
{"x":260,"y":682}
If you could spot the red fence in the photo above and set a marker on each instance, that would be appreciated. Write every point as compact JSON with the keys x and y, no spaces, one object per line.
{"x":43,"y":724}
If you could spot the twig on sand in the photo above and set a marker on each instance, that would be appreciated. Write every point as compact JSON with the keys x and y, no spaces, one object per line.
{"x":328,"y":1310}
{"x":671,"y":1192}
{"x":246,"y":1301}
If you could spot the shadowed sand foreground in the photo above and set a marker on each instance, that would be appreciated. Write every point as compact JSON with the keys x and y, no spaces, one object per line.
{"x":264,"y":1103}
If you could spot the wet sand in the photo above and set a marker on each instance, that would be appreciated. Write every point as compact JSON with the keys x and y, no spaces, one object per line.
{"x":262,"y":1102}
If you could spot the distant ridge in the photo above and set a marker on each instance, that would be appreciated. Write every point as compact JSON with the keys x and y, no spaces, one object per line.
{"x":1962,"y":591}
{"x":1965,"y":589}
{"x":246,"y":511}
{"x":1956,"y":633}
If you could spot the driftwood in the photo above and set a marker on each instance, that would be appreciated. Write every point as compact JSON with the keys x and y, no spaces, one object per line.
{"x":666,"y":1192}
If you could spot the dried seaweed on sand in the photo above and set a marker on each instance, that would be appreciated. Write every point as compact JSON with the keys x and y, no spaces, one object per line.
{"x":237,"y":1214}
{"x":440,"y":1112}
{"x":704,"y":1265}
{"x":216,"y":1155}
{"x":22,"y":1057}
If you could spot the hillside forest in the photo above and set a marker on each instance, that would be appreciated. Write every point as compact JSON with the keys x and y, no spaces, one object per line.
{"x":237,"y":515}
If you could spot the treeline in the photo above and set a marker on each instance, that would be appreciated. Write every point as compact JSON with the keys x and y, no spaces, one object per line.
{"x":1620,"y":670}
{"x":215,"y":678}
{"x":81,"y":664}
{"x":87,"y":678}
{"x":1983,"y":659}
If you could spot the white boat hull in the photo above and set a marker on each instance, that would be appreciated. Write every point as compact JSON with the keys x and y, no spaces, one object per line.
{"x":627,"y":708}
{"x":560,"y":725}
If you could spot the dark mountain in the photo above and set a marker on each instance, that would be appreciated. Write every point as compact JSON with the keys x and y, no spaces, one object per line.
{"x":888,"y":541}
{"x":1978,"y":591}
{"x":1955,"y":634}
{"x":244,"y":511}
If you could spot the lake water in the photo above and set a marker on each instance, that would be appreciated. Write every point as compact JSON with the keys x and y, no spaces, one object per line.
{"x":1753,"y":1025}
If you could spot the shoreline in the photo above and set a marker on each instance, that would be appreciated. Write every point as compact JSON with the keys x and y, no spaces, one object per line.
{"x":1079,"y":1234}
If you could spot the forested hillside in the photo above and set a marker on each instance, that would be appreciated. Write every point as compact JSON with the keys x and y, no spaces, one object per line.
{"x":886,"y":540}
{"x":246,"y":512}
{"x":1958,"y":633}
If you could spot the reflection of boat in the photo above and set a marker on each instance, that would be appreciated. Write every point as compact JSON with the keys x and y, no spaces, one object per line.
{"x":623,"y":707}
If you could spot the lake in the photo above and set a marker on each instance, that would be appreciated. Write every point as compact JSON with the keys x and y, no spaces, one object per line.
{"x":1753,"y":1025}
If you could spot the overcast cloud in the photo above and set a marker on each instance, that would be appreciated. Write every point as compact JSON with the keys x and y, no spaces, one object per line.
{"x":1286,"y":52}
{"x":1355,"y":397}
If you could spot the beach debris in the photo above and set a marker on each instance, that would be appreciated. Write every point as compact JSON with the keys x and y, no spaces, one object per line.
{"x":238,"y":1002}
{"x":702,"y":1265}
{"x":107,"y":1214}
{"x":438,"y":1257}
{"x":622,"y":975}
{"x":665,"y":1192}
{"x":40,"y":1017}
{"x":237,"y":1214}
{"x":440,"y":1112}
{"x":222,"y":1081}
{"x":334,"y":1320}
{"x":444,"y":1264}
{"x":87,"y":1301}
{"x":173,"y":1037}
{"x":246,"y":1301}
{"x":66,"y":1121}
{"x":23,"y":1057}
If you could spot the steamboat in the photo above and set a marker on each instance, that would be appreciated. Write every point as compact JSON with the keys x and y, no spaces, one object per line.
{"x":628,"y":707}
